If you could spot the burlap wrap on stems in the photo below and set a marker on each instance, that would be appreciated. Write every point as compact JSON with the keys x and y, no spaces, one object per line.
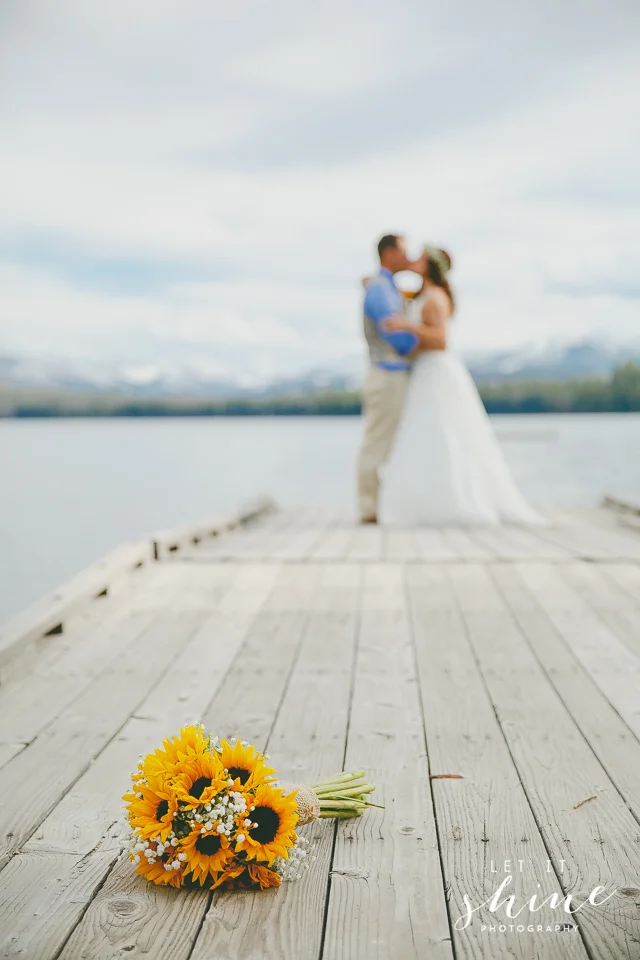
{"x":307,"y":800}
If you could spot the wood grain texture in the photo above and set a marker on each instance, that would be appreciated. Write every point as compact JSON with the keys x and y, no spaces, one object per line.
{"x":51,"y":611}
{"x":27,"y":707}
{"x":159,"y":923}
{"x":76,"y":845}
{"x":595,"y":844}
{"x":611,"y":602}
{"x":37,"y":779}
{"x":487,"y":679}
{"x":602,"y":727}
{"x":306,"y":744}
{"x":607,"y":658}
{"x":484,"y":819}
{"x":386,"y":893}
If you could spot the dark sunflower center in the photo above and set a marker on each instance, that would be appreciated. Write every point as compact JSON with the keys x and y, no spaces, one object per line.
{"x":268,"y":822}
{"x":162,"y":810}
{"x":209,"y":845}
{"x":199,"y":786}
{"x":239,"y":773}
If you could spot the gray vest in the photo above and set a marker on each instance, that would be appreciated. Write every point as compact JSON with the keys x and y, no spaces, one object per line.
{"x":379,"y":350}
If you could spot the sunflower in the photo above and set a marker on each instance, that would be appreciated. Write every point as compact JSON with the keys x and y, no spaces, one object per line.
{"x":274,"y":817}
{"x":152,"y":808}
{"x":200,"y":779}
{"x":190,"y":743}
{"x":260,"y":875}
{"x":229,"y":876}
{"x":156,"y":872}
{"x":244,"y":764}
{"x":208,"y":854}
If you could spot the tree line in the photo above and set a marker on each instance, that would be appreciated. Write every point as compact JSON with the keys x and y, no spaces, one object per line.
{"x":618,"y":393}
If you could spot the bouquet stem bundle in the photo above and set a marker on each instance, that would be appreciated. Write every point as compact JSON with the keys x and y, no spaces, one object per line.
{"x":344,"y":795}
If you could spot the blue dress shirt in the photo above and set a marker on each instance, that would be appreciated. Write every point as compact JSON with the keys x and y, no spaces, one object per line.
{"x":381,"y":301}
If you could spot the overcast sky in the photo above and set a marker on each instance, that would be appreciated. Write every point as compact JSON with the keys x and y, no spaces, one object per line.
{"x":204,"y":182}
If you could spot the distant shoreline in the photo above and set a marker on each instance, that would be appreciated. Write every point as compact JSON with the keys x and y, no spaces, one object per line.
{"x":619,"y":393}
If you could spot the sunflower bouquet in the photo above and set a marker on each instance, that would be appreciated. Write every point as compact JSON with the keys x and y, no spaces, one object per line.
{"x":210,"y":812}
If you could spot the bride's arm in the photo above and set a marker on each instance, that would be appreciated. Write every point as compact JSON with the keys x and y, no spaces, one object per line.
{"x":431,"y":333}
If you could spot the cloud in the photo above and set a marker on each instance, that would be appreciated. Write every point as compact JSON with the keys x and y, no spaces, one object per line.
{"x":207,"y":180}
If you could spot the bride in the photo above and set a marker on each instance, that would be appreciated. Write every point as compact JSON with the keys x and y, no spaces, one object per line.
{"x":446,"y":466}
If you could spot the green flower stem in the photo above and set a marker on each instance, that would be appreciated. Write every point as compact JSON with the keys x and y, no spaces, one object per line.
{"x":340,"y":778}
{"x":340,"y":814}
{"x":345,"y":785}
{"x":349,"y":804}
{"x":344,"y":794}
{"x":348,"y":792}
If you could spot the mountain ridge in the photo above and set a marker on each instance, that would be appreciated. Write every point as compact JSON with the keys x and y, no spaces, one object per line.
{"x":554,"y":361}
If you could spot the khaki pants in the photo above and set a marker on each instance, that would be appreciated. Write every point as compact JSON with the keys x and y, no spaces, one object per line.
{"x":382,"y":402}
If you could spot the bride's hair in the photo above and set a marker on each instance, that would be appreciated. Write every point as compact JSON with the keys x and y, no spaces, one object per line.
{"x":438,"y":276}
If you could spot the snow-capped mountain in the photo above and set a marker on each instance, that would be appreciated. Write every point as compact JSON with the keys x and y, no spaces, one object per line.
{"x":556,"y":361}
{"x":195,"y":379}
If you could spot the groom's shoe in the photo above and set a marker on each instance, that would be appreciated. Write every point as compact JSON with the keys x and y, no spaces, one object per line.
{"x":365,"y":520}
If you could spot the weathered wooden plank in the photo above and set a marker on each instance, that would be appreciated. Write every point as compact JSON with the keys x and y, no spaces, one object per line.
{"x":614,"y":519}
{"x":594,"y":542}
{"x":46,"y":887}
{"x":299,"y":545}
{"x":466,"y":546}
{"x":514,"y":543}
{"x":28,"y":704}
{"x":613,"y":667}
{"x":386,"y":895}
{"x":335,"y":545}
{"x":433,"y":546}
{"x":305,"y":745}
{"x":168,"y":542}
{"x":399,"y":545}
{"x":610,"y":602}
{"x":627,"y":576}
{"x":126,"y":912}
{"x":606,"y":733}
{"x":36,"y":779}
{"x":595,"y":845}
{"x":624,"y":504}
{"x":367,"y":543}
{"x":483,"y":819}
{"x":252,"y":541}
{"x":51,"y":612}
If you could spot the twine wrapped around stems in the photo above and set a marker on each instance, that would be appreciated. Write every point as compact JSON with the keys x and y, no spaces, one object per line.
{"x":307,"y":800}
{"x":343,"y":795}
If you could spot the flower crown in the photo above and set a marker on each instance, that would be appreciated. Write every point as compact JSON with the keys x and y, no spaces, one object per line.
{"x":439,"y":257}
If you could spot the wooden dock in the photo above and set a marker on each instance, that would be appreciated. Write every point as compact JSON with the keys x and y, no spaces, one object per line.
{"x":487,"y":679}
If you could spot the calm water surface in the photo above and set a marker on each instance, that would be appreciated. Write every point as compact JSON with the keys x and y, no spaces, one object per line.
{"x":72,"y":489}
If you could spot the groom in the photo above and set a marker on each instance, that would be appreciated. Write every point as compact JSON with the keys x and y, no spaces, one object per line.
{"x":391,"y":353}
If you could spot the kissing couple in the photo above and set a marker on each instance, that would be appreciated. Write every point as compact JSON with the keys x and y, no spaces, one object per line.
{"x":429,"y":455}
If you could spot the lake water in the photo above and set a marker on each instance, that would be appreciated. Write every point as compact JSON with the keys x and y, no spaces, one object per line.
{"x":72,"y":489}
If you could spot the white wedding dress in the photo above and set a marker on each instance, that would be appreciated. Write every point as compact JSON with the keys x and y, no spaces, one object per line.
{"x":446,"y":466}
